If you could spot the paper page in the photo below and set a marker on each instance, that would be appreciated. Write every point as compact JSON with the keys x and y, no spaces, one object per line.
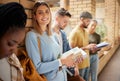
{"x":102,"y":44}
{"x":76,"y":51}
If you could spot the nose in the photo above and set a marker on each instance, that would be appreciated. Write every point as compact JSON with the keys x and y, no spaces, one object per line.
{"x":13,"y":49}
{"x":65,"y":24}
{"x":44,"y":15}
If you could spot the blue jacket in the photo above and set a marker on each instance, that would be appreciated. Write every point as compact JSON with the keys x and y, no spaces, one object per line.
{"x":66,"y":46}
{"x":49,"y":64}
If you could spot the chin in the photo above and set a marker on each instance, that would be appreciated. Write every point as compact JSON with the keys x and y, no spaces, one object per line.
{"x":7,"y":55}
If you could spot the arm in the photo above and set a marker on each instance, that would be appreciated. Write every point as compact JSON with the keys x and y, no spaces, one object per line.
{"x":34,"y":54}
{"x":66,"y":46}
{"x":73,"y":39}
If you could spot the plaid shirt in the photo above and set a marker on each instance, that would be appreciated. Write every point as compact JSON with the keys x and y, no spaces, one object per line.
{"x":15,"y":68}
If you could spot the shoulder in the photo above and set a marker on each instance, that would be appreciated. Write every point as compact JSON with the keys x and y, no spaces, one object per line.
{"x":75,"y":31}
{"x":97,"y":34}
{"x":63,"y":33}
{"x":31,"y":35}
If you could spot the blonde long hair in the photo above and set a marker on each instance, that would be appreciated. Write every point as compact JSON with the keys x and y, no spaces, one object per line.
{"x":35,"y":23}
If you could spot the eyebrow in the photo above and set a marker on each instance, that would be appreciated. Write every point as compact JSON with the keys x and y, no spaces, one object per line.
{"x":43,"y":10}
{"x":15,"y":41}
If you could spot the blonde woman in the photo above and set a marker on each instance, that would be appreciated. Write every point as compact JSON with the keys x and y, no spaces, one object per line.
{"x":49,"y":63}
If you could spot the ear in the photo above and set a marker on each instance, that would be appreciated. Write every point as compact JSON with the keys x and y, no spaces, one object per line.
{"x":34,"y":17}
{"x":81,"y":18}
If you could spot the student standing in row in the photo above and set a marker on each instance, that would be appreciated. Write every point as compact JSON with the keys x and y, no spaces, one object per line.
{"x":94,"y":38}
{"x":79,"y":38}
{"x":49,"y":64}
{"x":61,"y":20}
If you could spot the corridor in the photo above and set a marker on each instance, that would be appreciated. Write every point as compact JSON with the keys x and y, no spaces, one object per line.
{"x":111,"y":72}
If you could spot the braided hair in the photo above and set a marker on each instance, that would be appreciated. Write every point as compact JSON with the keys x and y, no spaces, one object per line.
{"x":12,"y":16}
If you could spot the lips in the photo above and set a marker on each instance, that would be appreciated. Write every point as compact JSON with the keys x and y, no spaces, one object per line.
{"x":45,"y":19}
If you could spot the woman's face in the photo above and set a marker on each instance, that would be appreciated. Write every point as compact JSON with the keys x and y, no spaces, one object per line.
{"x":43,"y":15}
{"x":92,"y":27}
{"x":10,"y":41}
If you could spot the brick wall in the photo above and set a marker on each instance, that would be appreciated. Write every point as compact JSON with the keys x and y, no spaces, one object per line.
{"x":100,"y":10}
{"x":78,"y":6}
{"x":119,"y":22}
{"x":53,"y":10}
{"x":28,"y":4}
{"x":111,"y":19}
{"x":6,"y":1}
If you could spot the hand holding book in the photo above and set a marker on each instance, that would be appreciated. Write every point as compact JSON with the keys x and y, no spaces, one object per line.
{"x":76,"y":51}
{"x":78,"y":56}
{"x":102,"y":44}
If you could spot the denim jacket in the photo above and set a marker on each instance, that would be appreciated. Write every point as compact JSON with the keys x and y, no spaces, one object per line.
{"x":66,"y":46}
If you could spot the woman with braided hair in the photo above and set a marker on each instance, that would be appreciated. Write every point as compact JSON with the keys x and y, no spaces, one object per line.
{"x":12,"y":32}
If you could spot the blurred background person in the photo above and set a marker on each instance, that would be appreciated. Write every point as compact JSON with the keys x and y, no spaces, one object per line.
{"x":48,"y":62}
{"x":94,"y":38}
{"x":79,"y":38}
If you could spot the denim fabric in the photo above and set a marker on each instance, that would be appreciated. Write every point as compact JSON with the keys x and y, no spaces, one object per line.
{"x":66,"y":46}
{"x":94,"y":60}
{"x":84,"y":73}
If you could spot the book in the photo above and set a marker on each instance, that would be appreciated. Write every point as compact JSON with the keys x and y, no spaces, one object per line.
{"x":76,"y":51}
{"x":102,"y":44}
{"x":70,"y":71}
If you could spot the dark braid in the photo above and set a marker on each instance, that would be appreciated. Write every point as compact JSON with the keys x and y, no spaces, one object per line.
{"x":12,"y":15}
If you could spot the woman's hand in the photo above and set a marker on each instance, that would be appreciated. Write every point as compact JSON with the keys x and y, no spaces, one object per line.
{"x":79,"y":59}
{"x":68,"y":61}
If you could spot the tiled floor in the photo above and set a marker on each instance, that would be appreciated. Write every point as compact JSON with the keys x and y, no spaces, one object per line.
{"x":112,"y":70}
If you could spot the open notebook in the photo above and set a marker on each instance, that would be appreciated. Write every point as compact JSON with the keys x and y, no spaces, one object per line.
{"x":76,"y":51}
{"x":102,"y":44}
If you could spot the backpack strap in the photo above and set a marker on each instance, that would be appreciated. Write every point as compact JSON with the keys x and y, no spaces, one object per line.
{"x":39,"y":46}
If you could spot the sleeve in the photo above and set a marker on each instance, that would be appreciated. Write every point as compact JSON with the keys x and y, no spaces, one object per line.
{"x":73,"y":39}
{"x":66,"y":46}
{"x":33,"y":52}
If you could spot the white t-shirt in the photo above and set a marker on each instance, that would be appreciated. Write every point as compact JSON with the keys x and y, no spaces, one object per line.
{"x":59,"y":40}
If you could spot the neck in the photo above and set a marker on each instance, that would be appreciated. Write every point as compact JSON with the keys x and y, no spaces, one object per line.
{"x":43,"y":28}
{"x":90,"y":32}
{"x":81,"y":26}
{"x":56,"y":28}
